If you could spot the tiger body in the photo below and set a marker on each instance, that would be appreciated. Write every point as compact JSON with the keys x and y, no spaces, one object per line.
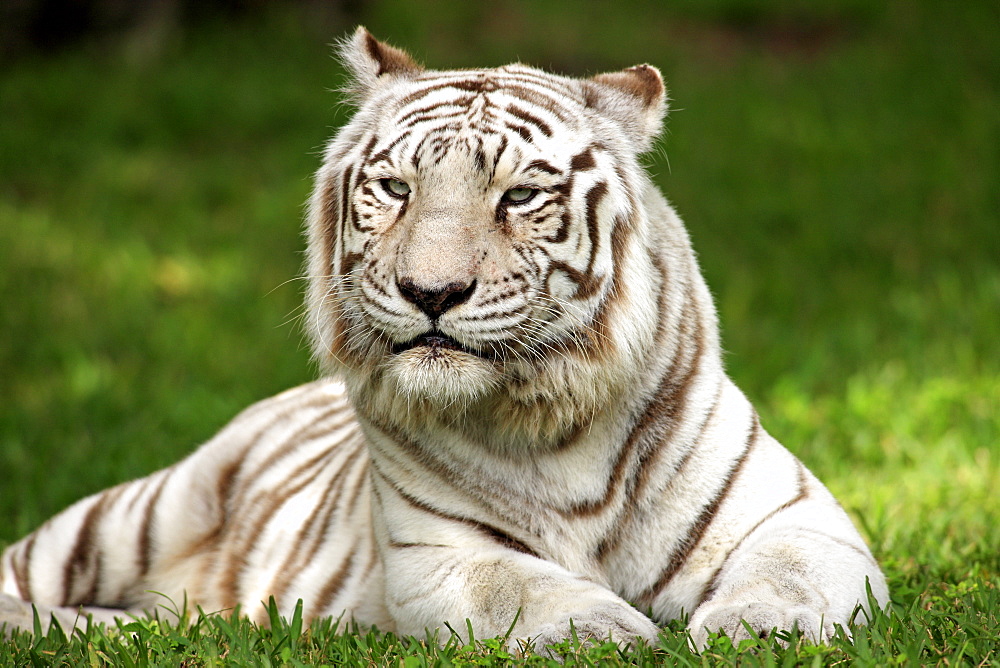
{"x":533,"y":421}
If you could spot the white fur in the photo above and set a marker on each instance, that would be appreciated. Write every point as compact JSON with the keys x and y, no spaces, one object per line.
{"x":582,"y":451}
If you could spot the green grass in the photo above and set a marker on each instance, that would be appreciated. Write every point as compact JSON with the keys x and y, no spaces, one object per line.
{"x":837,"y":164}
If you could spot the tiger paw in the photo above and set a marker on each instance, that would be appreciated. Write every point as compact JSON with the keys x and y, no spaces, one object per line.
{"x":616,"y":621}
{"x":19,"y":615}
{"x":15,"y":614}
{"x":763,"y":618}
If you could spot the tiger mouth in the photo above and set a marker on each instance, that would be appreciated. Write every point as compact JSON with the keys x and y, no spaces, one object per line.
{"x":435,"y":341}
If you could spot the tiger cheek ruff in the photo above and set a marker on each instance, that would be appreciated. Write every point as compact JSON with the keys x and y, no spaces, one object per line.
{"x":526,"y":415}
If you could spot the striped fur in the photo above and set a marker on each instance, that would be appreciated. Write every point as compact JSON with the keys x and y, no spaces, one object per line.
{"x":533,"y":420}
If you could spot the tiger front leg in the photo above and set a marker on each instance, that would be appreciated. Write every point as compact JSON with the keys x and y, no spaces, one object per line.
{"x":500,"y":590}
{"x":19,"y":615}
{"x":813,"y":578}
{"x":443,"y":570}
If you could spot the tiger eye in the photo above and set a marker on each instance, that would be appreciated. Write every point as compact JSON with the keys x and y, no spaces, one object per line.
{"x":395,"y":187}
{"x":519,"y":195}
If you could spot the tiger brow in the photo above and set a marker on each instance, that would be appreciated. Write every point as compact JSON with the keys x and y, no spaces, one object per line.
{"x":544,"y":166}
{"x":415,"y":115}
{"x":385,"y":155}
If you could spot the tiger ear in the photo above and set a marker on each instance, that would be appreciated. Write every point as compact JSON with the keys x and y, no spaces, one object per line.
{"x":371,"y":62}
{"x":635,"y":97}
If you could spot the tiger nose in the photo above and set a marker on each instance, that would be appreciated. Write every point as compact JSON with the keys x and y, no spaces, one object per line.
{"x":435,"y":301}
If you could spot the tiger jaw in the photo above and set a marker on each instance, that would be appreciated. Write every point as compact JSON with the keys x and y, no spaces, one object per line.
{"x":440,"y":369}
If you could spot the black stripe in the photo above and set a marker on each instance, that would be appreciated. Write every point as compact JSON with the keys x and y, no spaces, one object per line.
{"x":583,"y":161}
{"x":480,"y":157}
{"x":499,"y":154}
{"x":402,"y":210}
{"x":359,"y":486}
{"x":562,"y":195}
{"x":272,"y":502}
{"x":382,"y":156}
{"x":553,"y":103}
{"x":396,"y":545}
{"x":521,"y":130}
{"x":335,"y":583}
{"x":616,"y":293}
{"x":504,"y":539}
{"x":543,"y":166}
{"x":663,"y":311}
{"x":85,"y":554}
{"x":593,"y":200}
{"x":345,"y":197}
{"x":345,"y":207}
{"x":701,"y":524}
{"x":433,"y":87}
{"x":22,"y":568}
{"x":274,"y":498}
{"x":349,"y":182}
{"x":331,"y":232}
{"x":371,"y":276}
{"x":292,"y":443}
{"x":226,"y":484}
{"x":586,"y":285}
{"x":320,"y":517}
{"x":801,"y":495}
{"x":146,"y":528}
{"x":527,"y":256}
{"x":637,"y":483}
{"x":440,"y":117}
{"x":379,"y":306}
{"x":546,"y":83}
{"x":349,"y":261}
{"x":530,"y":118}
{"x":426,"y":111}
{"x":659,"y":417}
{"x":536,"y":92}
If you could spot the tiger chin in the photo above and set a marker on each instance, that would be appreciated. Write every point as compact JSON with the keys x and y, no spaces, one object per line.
{"x":438,"y":371}
{"x":526,"y":423}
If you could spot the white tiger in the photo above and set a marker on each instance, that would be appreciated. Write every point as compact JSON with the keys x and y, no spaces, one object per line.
{"x":533,"y":423}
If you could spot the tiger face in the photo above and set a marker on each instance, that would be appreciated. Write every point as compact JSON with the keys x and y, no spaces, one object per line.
{"x":467,"y":226}
{"x":464,"y":269}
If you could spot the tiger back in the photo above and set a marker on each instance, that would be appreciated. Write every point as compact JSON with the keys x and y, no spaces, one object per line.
{"x":533,"y":423}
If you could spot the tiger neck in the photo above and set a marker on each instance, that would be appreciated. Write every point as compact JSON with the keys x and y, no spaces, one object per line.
{"x":519,"y":482}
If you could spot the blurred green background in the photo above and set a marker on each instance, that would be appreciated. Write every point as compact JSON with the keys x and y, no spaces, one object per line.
{"x":836,"y":162}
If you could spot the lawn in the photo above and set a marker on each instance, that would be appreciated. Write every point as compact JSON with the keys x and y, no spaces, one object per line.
{"x":837,"y":164}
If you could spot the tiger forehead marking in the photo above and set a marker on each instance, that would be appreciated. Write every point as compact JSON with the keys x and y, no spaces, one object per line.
{"x":487,"y":102}
{"x":482,"y":116}
{"x":532,"y":424}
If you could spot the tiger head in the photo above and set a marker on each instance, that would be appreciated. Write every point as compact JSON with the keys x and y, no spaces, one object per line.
{"x":478,"y":239}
